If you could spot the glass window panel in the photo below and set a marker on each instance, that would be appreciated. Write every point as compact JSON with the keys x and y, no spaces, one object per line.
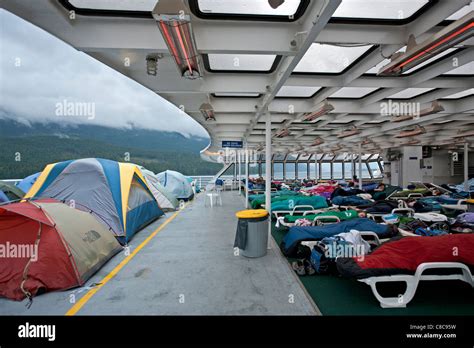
{"x":297,"y":91}
{"x":278,"y":170}
{"x":465,"y":69}
{"x":290,"y":170}
{"x":337,"y":170}
{"x":115,"y":5}
{"x":374,"y":167}
{"x":460,"y":94}
{"x":462,"y":12}
{"x":353,"y":92}
{"x":302,"y":170}
{"x":249,"y":62}
{"x":348,"y":170}
{"x":379,"y":9}
{"x":248,"y":7}
{"x":237,"y":94}
{"x":323,"y":58}
{"x":365,"y":171}
{"x":312,"y":170}
{"x":410,"y":93}
{"x":326,"y":170}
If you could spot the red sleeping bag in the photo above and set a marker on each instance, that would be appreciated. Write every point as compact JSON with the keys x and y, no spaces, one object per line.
{"x":404,"y":255}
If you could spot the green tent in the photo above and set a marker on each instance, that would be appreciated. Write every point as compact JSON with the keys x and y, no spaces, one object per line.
{"x":9,"y":192}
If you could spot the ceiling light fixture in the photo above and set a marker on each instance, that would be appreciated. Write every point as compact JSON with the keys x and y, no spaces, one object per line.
{"x":349,"y":132}
{"x":411,"y":132}
{"x":282,"y":133}
{"x":178,"y":34}
{"x":416,"y":54}
{"x":433,"y":109}
{"x":207,"y":112}
{"x":324,"y":109}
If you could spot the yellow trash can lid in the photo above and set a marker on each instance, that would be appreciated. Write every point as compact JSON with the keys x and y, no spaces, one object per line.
{"x":470,"y":201}
{"x":251,"y":214}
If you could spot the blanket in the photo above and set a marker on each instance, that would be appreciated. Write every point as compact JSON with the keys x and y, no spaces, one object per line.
{"x":404,"y":255}
{"x":298,"y":234}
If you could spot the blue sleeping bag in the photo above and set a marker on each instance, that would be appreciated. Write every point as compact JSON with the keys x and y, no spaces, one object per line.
{"x":297,"y":234}
{"x":317,"y":202}
{"x":350,"y":200}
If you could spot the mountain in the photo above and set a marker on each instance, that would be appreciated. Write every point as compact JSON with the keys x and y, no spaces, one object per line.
{"x":26,"y":149}
{"x":138,"y":138}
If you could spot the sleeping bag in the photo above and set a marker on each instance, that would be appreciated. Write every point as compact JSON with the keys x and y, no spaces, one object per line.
{"x":380,"y":207}
{"x":317,"y":202}
{"x":342,"y":215}
{"x":350,"y":201}
{"x":298,"y":234}
{"x":404,"y":255}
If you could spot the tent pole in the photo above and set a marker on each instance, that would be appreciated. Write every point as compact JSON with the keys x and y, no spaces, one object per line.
{"x":268,"y":171}
{"x":466,"y":166}
{"x":360,"y":166}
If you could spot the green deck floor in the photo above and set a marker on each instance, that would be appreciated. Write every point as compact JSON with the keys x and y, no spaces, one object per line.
{"x":339,"y":296}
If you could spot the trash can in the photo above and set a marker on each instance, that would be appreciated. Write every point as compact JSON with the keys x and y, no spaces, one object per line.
{"x":470,"y":205}
{"x":252,"y":232}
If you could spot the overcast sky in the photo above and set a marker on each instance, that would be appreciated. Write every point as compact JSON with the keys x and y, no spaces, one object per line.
{"x":50,"y":72}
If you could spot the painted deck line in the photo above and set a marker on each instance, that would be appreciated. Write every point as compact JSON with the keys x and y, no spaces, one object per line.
{"x":82,"y":302}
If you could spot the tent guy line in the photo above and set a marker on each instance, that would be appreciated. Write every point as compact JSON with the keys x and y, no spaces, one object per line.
{"x":82,"y":302}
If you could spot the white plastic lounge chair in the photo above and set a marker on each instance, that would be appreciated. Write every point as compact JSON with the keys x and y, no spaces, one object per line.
{"x":412,"y":281}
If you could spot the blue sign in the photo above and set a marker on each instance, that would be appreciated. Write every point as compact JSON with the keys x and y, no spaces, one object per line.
{"x":233,"y":144}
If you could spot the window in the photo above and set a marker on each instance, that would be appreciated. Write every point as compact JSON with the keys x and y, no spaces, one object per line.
{"x":138,"y":195}
{"x":348,"y":170}
{"x":330,"y":59}
{"x":462,"y":94}
{"x":290,"y":170}
{"x":279,"y":157}
{"x":302,"y":170}
{"x":115,"y":5}
{"x":326,"y":170}
{"x":263,"y":63}
{"x":278,"y":170}
{"x":435,"y":58}
{"x":236,"y":95}
{"x":297,"y":92}
{"x":312,"y":170}
{"x":374,"y":168}
{"x":462,"y":12}
{"x":365,"y":170}
{"x":337,"y":170}
{"x":353,"y":92}
{"x":259,"y":10}
{"x":410,"y":93}
{"x":380,"y":11}
{"x":465,"y":69}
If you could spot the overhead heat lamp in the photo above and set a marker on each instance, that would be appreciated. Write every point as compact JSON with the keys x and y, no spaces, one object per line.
{"x":411,"y":132}
{"x":176,"y":29}
{"x":415,"y":54}
{"x":318,"y":141}
{"x":349,"y":132}
{"x":433,"y":109}
{"x":207,"y":112}
{"x":464,"y":134}
{"x":324,"y":109}
{"x":411,"y":142}
{"x":282,"y":133}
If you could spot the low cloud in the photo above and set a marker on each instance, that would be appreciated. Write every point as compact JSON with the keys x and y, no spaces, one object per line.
{"x":38,"y":71}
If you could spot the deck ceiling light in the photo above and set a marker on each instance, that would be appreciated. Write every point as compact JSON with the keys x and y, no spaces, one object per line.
{"x":176,"y":29}
{"x":207,"y":112}
{"x":282,"y":133}
{"x":416,"y":54}
{"x":433,"y":109}
{"x":349,"y":132}
{"x":324,"y":109}
{"x":411,"y":132}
